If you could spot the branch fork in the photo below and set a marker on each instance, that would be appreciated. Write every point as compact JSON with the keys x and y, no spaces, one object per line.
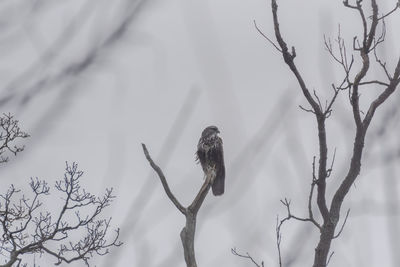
{"x":188,"y":232}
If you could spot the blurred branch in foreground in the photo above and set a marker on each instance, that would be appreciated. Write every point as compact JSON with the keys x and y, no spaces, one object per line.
{"x":50,"y":70}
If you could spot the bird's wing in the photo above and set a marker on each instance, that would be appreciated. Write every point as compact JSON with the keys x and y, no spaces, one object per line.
{"x":218,"y":158}
{"x":217,"y":155}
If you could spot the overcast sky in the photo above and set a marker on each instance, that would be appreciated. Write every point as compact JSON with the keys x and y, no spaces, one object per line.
{"x":92,"y":80}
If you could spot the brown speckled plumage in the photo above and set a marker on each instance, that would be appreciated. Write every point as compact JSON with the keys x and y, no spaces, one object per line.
{"x":211,"y":156}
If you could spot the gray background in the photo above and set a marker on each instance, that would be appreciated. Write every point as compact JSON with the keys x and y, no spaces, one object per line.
{"x":91,"y":80}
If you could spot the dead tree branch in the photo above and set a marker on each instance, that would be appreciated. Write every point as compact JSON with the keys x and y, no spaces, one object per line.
{"x":364,"y":45}
{"x":391,"y":11}
{"x":247,"y":256}
{"x":266,"y":37}
{"x":188,"y":232}
{"x":344,"y":223}
{"x":163,"y":181}
{"x":286,"y":203}
{"x":289,"y":215}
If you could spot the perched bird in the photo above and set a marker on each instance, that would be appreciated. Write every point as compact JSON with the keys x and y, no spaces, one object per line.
{"x":211,"y":156}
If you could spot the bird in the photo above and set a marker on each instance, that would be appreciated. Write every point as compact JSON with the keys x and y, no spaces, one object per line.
{"x":210,"y":154}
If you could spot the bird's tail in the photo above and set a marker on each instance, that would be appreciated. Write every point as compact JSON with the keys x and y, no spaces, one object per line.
{"x":218,"y":186}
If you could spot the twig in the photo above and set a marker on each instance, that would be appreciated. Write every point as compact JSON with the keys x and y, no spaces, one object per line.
{"x":313,"y":183}
{"x":266,"y":37}
{"x":383,"y":65}
{"x":289,"y":216}
{"x":329,"y":171}
{"x":374,"y":82}
{"x":318,"y":100}
{"x":306,"y":110}
{"x":279,"y":238}
{"x":247,"y":256}
{"x":344,"y":222}
{"x":329,"y":258}
{"x":390,"y":12}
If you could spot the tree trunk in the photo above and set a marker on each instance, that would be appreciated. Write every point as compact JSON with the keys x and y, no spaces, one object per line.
{"x":187,"y":237}
{"x":324,"y":245}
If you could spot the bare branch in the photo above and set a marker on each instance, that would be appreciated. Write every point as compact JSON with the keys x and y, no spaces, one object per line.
{"x":368,"y":38}
{"x":380,"y":39}
{"x":306,"y":110}
{"x":25,"y":230}
{"x":279,"y":238}
{"x":313,"y":183}
{"x":247,"y":256}
{"x":201,"y":195}
{"x":344,"y":223}
{"x":374,"y":82}
{"x":330,"y":257}
{"x":9,"y":133}
{"x":383,"y":65}
{"x":289,"y":215}
{"x":266,"y":37}
{"x":163,"y":181}
{"x":358,"y":7}
{"x":329,"y":171}
{"x":318,"y":100}
{"x":342,"y":58}
{"x":343,"y":61}
{"x":328,"y":109}
{"x":188,"y":232}
{"x":394,"y":82}
{"x":391,"y":11}
{"x":289,"y":57}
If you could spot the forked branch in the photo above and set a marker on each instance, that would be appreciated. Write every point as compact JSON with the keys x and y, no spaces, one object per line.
{"x":188,"y":232}
{"x":24,"y":229}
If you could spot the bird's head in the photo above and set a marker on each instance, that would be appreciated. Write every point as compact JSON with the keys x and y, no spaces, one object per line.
{"x":209,"y":131}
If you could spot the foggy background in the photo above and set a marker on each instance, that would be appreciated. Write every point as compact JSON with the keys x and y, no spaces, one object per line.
{"x":91,"y":80}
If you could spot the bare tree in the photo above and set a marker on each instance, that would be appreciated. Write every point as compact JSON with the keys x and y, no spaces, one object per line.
{"x":355,"y":77}
{"x":190,"y":212}
{"x":9,"y":135}
{"x":73,"y":233}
